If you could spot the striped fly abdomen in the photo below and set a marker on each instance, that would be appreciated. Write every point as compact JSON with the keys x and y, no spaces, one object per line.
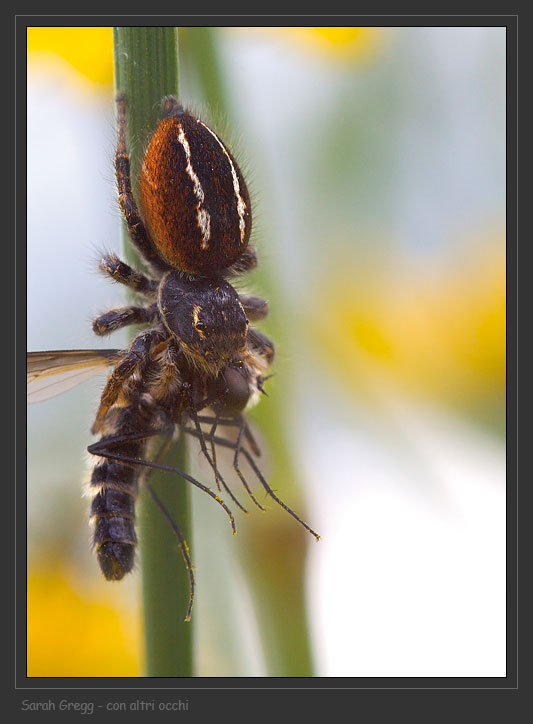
{"x":115,"y":486}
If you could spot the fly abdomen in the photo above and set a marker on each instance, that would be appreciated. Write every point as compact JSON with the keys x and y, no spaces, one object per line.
{"x":113,"y":512}
{"x":114,"y":538}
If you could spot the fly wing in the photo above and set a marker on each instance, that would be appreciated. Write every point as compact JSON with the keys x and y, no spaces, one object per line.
{"x":51,"y":373}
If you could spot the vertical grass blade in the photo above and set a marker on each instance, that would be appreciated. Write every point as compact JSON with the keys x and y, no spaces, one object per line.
{"x":146,"y":69}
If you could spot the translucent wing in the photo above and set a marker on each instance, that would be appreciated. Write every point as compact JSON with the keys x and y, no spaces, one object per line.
{"x":50,"y":373}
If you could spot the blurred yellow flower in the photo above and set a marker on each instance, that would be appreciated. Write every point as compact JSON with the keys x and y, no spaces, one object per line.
{"x":345,"y":43}
{"x":439,"y":332}
{"x":88,"y":50}
{"x":75,"y":634}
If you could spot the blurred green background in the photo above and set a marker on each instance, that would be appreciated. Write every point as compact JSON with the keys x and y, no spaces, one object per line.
{"x":377,"y":166}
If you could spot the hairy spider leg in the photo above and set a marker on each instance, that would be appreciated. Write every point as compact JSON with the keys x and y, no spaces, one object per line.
{"x":136,"y":229}
{"x":246,"y":262}
{"x":259,"y":344}
{"x":255,"y":308}
{"x":115,"y":319}
{"x":122,"y":273}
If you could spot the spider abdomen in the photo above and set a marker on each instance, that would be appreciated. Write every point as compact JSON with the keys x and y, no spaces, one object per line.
{"x":193,"y":197}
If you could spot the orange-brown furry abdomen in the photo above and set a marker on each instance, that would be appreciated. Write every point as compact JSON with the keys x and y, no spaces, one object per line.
{"x":193,"y":197}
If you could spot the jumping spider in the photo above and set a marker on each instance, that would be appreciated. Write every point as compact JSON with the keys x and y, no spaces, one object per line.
{"x":199,"y":352}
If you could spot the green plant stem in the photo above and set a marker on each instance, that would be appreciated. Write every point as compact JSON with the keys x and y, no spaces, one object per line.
{"x":273,"y":547}
{"x":146,"y":69}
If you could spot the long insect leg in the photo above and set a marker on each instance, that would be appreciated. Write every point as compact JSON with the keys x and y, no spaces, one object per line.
{"x":232,"y":422}
{"x":237,"y":446}
{"x":239,"y":422}
{"x":227,"y":443}
{"x":238,"y":449}
{"x":101,"y":449}
{"x":212,"y":462}
{"x":213,"y":447}
{"x":182,"y":544}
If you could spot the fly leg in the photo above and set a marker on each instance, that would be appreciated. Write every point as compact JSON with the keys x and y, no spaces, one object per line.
{"x":233,"y":446}
{"x":241,"y":423}
{"x":133,"y":359}
{"x":107,"y":506}
{"x":211,"y":460}
{"x":232,"y":422}
{"x":182,"y":543}
{"x":107,"y":449}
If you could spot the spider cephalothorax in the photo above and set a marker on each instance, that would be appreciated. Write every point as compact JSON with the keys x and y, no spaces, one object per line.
{"x":206,"y":317}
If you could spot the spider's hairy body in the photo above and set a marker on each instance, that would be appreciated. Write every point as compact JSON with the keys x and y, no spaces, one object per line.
{"x":192,"y":194}
{"x":197,"y":349}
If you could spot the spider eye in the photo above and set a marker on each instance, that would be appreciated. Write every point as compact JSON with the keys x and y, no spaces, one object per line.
{"x":200,"y":327}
